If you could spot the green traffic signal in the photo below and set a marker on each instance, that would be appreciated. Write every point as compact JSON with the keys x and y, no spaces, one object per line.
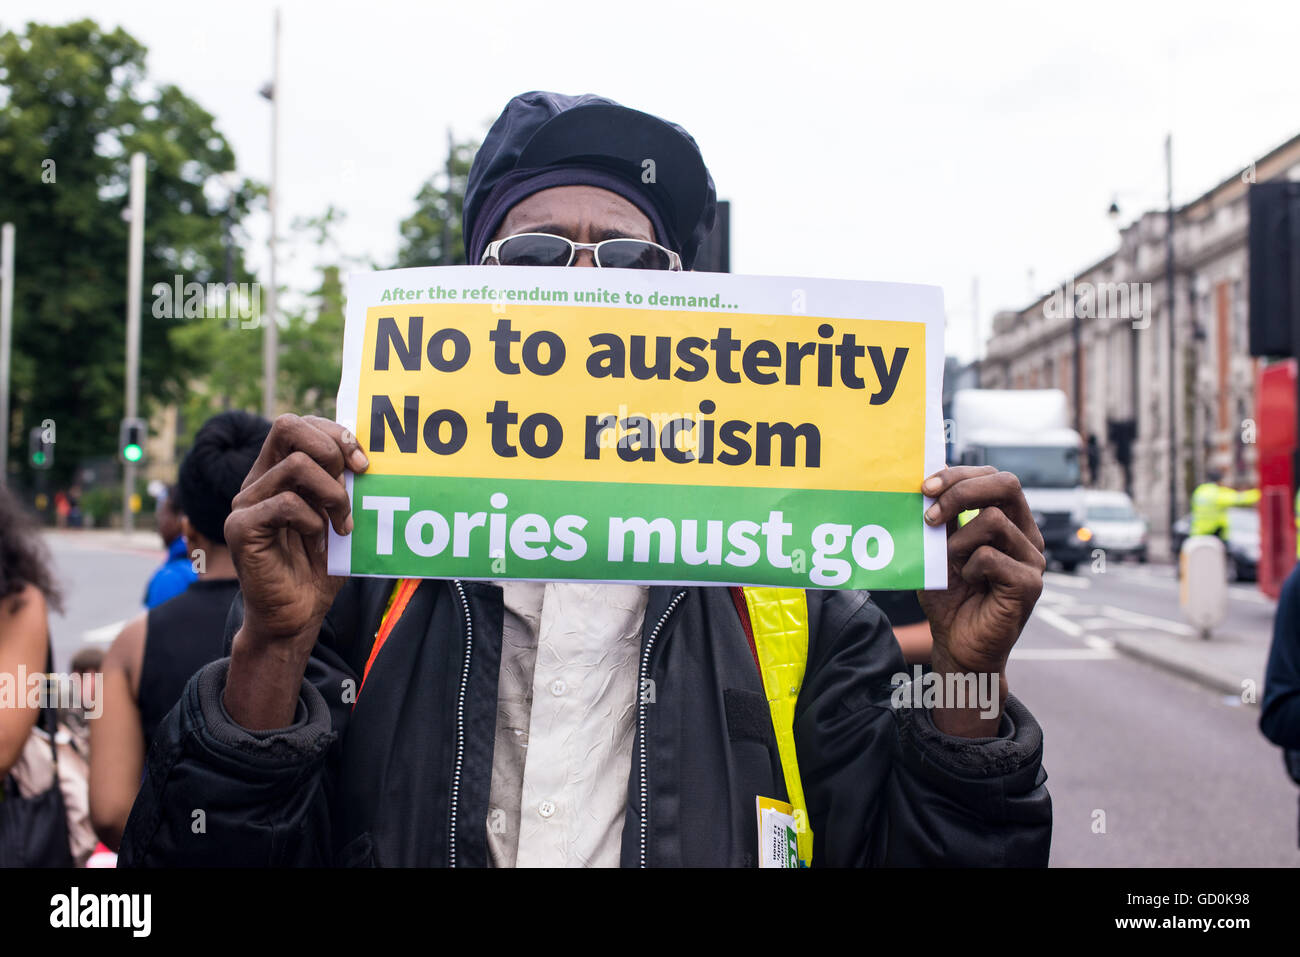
{"x":130,"y":440}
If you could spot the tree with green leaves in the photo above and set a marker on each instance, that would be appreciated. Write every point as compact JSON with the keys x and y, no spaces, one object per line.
{"x":75,"y":103}
{"x":431,"y":236}
{"x":227,"y":352}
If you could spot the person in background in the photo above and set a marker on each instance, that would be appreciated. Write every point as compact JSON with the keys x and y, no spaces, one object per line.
{"x":87,"y":664}
{"x":27,"y":592}
{"x":1211,"y":501}
{"x":1279,"y":711}
{"x":177,"y":572}
{"x":74,"y":749}
{"x":151,"y":660}
{"x":75,"y":517}
{"x":61,"y":508}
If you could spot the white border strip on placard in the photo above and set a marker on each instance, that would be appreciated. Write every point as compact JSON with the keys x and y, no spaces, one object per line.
{"x":771,"y":295}
{"x":340,"y":546}
{"x":934,"y":540}
{"x":358,"y":295}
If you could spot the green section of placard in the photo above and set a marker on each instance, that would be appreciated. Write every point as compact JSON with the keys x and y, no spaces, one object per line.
{"x":432,"y":527}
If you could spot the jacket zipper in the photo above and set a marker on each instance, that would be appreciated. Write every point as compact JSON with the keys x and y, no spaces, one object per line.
{"x":460,"y":725}
{"x":641,"y":717}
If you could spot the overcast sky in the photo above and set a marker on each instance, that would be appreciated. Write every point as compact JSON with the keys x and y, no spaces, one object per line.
{"x":928,"y":143}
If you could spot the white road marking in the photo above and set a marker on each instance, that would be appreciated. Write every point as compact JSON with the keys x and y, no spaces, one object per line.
{"x":1066,"y":581}
{"x":1096,"y":622}
{"x":1058,"y":621}
{"x":1060,"y":598}
{"x":1062,"y":654}
{"x":1089,"y":617}
{"x":104,"y":634}
{"x":1148,"y":621}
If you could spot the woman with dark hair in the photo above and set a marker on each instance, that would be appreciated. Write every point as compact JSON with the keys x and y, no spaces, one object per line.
{"x":27,"y":592}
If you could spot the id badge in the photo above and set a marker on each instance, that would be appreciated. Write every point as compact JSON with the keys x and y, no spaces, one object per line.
{"x":777,"y":843}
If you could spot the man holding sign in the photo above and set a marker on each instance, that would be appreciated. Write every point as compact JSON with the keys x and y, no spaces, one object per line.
{"x":524,"y":647}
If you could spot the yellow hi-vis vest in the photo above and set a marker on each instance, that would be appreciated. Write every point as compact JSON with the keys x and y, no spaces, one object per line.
{"x":778,"y":619}
{"x":1210,"y":504}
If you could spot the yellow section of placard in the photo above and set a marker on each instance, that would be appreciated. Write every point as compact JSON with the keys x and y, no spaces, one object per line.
{"x":643,"y":396}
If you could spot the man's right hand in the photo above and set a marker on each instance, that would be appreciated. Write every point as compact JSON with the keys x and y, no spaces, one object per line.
{"x":277,"y":537}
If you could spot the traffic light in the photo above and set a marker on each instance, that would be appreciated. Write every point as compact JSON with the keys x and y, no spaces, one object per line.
{"x":130,"y":441}
{"x":40,"y":450}
{"x":1274,"y":237}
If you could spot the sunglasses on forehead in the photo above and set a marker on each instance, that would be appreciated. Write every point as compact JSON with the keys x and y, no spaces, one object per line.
{"x":545,"y":249}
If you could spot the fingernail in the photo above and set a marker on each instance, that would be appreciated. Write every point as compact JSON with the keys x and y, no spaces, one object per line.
{"x":359,"y":460}
{"x":931,"y":485}
{"x":932,"y":514}
{"x":347,"y":526}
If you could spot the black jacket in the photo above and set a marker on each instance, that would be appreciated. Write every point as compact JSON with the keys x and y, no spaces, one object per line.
{"x":1279,"y":711}
{"x":403,"y":779}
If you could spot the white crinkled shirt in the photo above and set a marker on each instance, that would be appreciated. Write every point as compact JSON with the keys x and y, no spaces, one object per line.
{"x":566,"y":718}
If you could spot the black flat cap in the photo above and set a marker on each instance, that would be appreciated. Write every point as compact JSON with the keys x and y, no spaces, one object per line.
{"x":538,"y":130}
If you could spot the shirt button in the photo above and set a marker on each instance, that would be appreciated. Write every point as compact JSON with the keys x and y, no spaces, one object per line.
{"x":546,"y":808}
{"x":558,"y":687}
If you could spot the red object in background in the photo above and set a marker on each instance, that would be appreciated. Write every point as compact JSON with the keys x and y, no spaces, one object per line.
{"x":1275,"y":405}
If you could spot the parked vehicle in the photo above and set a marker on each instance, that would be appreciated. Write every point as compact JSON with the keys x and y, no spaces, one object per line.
{"x":1181,"y":531}
{"x":1243,"y":544}
{"x":1112,"y":524}
{"x":1026,"y":431}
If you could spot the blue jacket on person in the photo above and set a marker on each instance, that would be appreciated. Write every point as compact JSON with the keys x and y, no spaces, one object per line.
{"x":175,"y":575}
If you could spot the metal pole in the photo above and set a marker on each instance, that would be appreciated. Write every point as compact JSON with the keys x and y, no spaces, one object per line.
{"x":6,"y":333}
{"x":975,"y":327}
{"x":270,"y":332}
{"x":134,"y":282}
{"x":1169,"y":299}
{"x":1076,"y":334}
{"x":446,"y":220}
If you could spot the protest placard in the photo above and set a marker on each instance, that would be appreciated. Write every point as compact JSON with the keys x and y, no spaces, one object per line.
{"x":625,"y":425}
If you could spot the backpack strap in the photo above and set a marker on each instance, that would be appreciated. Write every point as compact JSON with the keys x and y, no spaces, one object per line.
{"x":398,"y":599}
{"x":778,"y":630}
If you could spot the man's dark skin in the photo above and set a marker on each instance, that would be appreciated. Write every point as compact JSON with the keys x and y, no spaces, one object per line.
{"x":277,"y":529}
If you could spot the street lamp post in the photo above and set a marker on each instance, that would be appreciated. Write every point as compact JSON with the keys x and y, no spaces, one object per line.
{"x":1169,"y":298}
{"x":134,"y":281}
{"x":6,"y":332}
{"x":270,"y":331}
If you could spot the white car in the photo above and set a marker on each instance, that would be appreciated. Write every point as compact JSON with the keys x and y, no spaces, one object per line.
{"x":1112,"y":524}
